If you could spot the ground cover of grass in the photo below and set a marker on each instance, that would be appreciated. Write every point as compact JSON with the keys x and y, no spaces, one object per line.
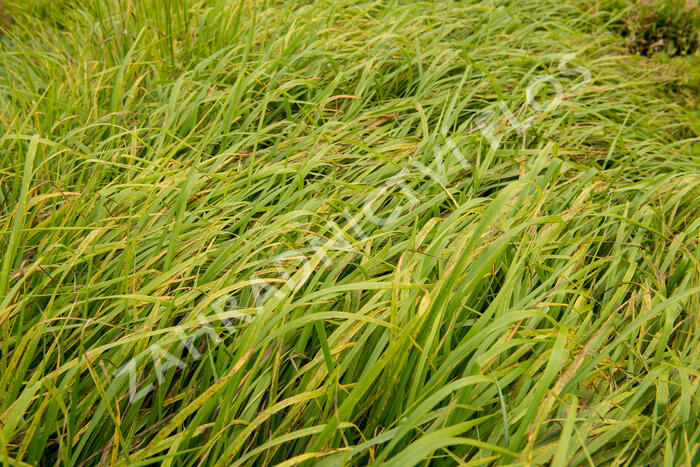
{"x":342,"y":233}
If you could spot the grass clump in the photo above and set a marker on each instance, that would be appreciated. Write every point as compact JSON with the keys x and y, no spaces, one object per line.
{"x":341,"y":233}
{"x":668,"y":26}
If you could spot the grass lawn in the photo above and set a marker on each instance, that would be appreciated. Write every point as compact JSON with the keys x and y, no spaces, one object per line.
{"x":254,"y":232}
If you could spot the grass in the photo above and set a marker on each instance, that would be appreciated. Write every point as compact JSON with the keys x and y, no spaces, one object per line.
{"x":280,"y":233}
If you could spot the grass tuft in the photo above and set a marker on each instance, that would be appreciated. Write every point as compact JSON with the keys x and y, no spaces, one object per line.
{"x":341,"y":233}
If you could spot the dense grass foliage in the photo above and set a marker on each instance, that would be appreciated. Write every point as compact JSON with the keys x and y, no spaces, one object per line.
{"x":259,"y":233}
